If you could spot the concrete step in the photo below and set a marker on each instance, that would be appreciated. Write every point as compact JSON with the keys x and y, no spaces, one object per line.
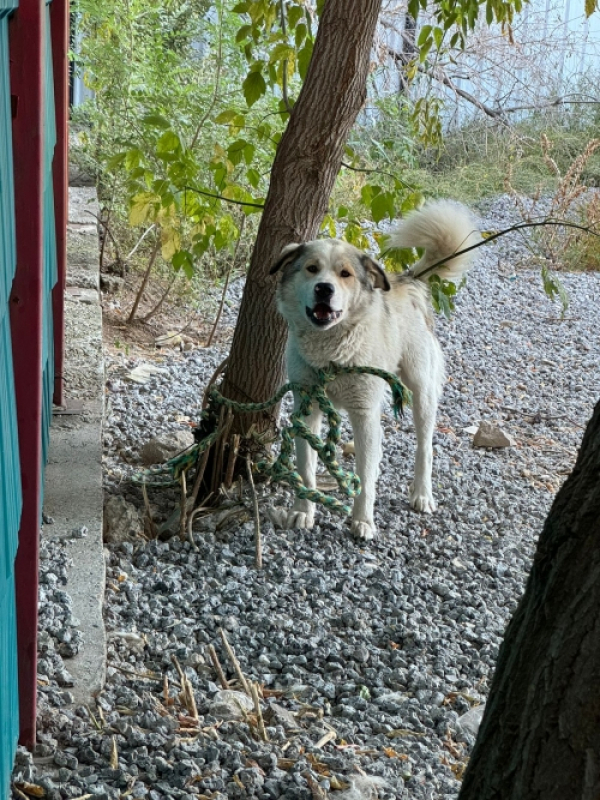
{"x":73,"y":485}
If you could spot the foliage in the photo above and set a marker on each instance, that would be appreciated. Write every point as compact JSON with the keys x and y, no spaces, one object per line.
{"x":583,"y":251}
{"x":184,"y":131}
{"x":562,"y":247}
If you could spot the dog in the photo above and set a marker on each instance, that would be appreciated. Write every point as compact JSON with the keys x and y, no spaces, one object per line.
{"x":340,"y":306}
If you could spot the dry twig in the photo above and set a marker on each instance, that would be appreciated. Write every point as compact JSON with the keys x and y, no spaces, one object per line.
{"x":257,"y":537}
{"x":236,"y":664}
{"x":217,"y":665}
{"x":259,"y":717}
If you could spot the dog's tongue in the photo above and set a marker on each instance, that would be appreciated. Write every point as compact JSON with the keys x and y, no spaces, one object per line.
{"x":322,"y":311}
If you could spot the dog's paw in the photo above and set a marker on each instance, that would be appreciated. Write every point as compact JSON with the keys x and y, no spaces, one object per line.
{"x":421,"y":500}
{"x":287,"y":518}
{"x":363,"y":530}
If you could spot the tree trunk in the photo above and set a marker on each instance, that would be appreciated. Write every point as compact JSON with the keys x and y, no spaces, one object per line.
{"x":307,"y":161}
{"x":540,"y":734}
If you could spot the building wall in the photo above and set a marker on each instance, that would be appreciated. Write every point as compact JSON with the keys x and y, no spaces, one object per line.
{"x":10,"y":473}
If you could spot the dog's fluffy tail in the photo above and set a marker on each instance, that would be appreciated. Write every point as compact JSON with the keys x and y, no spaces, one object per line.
{"x":442,"y":228}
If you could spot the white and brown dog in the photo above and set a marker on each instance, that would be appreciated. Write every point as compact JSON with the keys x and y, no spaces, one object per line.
{"x":342,"y":307}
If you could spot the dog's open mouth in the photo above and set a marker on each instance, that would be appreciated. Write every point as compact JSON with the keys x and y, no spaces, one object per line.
{"x":322,"y":314}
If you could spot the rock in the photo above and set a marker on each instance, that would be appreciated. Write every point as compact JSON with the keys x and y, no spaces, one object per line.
{"x":122,"y":521}
{"x":278,"y":715}
{"x":165,"y":446}
{"x":363,"y":787}
{"x":143,"y":372}
{"x":471,"y":720}
{"x":490,"y":435}
{"x":169,"y":339}
{"x":230,"y":706}
{"x":348,"y":448}
{"x":472,"y":430}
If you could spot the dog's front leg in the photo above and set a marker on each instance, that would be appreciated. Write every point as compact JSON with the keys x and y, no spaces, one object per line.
{"x":367,"y":444}
{"x":302,"y":513}
{"x":424,"y":411}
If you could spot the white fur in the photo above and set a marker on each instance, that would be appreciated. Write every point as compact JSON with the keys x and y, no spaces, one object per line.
{"x":391,"y":330}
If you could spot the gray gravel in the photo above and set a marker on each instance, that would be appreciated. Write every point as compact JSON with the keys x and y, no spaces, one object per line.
{"x":388,"y":645}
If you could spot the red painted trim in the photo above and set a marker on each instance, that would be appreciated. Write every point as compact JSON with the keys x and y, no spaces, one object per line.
{"x":26,"y":28}
{"x":59,"y":24}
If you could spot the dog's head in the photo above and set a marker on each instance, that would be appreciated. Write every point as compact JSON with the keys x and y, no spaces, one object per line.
{"x":324,"y":282}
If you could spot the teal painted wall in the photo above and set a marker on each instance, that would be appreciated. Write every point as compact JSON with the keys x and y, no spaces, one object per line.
{"x":10,"y":473}
{"x":50,"y":260}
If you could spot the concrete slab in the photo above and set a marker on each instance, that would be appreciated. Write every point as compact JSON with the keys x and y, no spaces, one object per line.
{"x":73,"y":492}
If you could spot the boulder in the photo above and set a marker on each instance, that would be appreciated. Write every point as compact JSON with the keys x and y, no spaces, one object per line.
{"x":230,"y":706}
{"x":122,"y":521}
{"x":163,"y":447}
{"x":471,"y":720}
{"x":490,"y":435}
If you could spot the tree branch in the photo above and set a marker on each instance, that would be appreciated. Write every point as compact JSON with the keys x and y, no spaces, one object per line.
{"x":224,"y":199}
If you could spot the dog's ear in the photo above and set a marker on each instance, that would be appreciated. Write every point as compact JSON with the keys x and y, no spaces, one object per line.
{"x":376,"y":273}
{"x":288,"y":254}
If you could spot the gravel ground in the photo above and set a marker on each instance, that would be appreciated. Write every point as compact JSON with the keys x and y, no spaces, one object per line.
{"x":373,"y":658}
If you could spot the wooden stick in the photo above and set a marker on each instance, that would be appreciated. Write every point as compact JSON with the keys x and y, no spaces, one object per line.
{"x":217,"y":665}
{"x":183,"y":506}
{"x":331,"y":734}
{"x":261,"y":723}
{"x":225,"y":420}
{"x":199,"y":476}
{"x":257,"y":537}
{"x":186,"y":690}
{"x":235,"y":662}
{"x":233,"y":453}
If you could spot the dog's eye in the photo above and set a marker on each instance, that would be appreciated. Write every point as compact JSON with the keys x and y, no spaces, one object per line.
{"x":312,"y":268}
{"x":345,"y":273}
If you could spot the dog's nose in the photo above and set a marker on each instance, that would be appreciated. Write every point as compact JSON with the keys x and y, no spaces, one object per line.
{"x":324,"y":290}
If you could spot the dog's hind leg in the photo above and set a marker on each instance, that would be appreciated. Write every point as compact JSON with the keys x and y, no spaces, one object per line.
{"x":424,"y":378}
{"x":366,"y":426}
{"x":302,"y":513}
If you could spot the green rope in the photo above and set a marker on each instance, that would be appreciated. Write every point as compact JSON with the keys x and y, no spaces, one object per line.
{"x":282,"y":469}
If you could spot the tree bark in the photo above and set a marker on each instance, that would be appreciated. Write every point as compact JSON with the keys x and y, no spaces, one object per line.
{"x":540,"y":734}
{"x":307,"y":161}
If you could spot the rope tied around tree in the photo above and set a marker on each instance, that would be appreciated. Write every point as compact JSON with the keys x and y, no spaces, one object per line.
{"x":282,"y":469}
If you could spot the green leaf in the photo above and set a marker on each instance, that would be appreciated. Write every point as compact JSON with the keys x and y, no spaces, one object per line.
{"x":116,"y":161}
{"x":133,"y":158}
{"x":156,"y":121}
{"x":280,"y":52}
{"x":304,"y":56}
{"x":249,"y":151}
{"x":225,"y":117}
{"x":254,"y":87}
{"x":183,"y":259}
{"x":253,"y":177}
{"x":382,"y":206}
{"x":235,"y":151}
{"x":368,"y":192}
{"x":168,"y":143}
{"x":170,"y":242}
{"x":425,"y":48}
{"x":294,"y":14}
{"x":142,"y":206}
{"x":554,"y":288}
{"x":590,"y":7}
{"x":424,"y":35}
{"x":243,"y":33}
{"x":442,"y":294}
